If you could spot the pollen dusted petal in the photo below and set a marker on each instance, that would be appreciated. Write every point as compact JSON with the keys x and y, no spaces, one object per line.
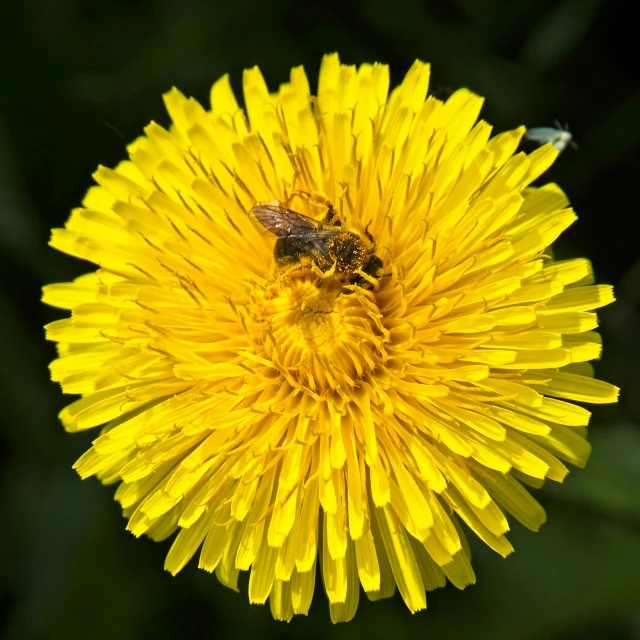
{"x":285,"y":421}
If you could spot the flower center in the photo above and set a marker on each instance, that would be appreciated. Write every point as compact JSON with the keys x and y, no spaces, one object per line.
{"x":325,"y":338}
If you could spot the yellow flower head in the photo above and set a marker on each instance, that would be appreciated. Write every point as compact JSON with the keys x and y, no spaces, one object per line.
{"x":297,"y":414}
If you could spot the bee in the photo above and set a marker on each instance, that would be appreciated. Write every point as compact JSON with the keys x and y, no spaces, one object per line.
{"x":559,"y":136}
{"x":323,"y":243}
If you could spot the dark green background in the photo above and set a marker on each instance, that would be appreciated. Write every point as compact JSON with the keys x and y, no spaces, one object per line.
{"x":80,"y":78}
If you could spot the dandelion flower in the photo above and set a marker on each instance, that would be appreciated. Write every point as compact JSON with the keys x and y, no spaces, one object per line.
{"x":356,"y":429}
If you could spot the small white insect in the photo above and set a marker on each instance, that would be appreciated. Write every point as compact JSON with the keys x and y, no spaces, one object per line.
{"x":558,"y":136}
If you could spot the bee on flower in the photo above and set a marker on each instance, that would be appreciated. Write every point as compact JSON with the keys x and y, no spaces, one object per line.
{"x":337,"y":382}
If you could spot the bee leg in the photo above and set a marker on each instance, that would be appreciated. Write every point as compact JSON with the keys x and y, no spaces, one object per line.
{"x":315,"y":197}
{"x":331,"y":212}
{"x":305,"y":195}
{"x":293,"y":270}
{"x":318,"y":198}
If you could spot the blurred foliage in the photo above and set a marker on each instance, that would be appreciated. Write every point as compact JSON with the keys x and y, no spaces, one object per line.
{"x":80,"y":78}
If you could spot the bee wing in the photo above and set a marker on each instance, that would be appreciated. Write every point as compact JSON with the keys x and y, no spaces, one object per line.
{"x":283,"y":222}
{"x":314,"y":242}
{"x":303,"y":232}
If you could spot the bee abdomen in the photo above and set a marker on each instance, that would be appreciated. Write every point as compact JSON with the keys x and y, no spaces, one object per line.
{"x":285,"y":252}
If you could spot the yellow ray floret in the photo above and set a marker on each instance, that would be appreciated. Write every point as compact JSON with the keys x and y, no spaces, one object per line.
{"x":289,"y":422}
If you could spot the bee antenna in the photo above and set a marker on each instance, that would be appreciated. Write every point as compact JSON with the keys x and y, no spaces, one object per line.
{"x":366,"y":231}
{"x":557,"y":123}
